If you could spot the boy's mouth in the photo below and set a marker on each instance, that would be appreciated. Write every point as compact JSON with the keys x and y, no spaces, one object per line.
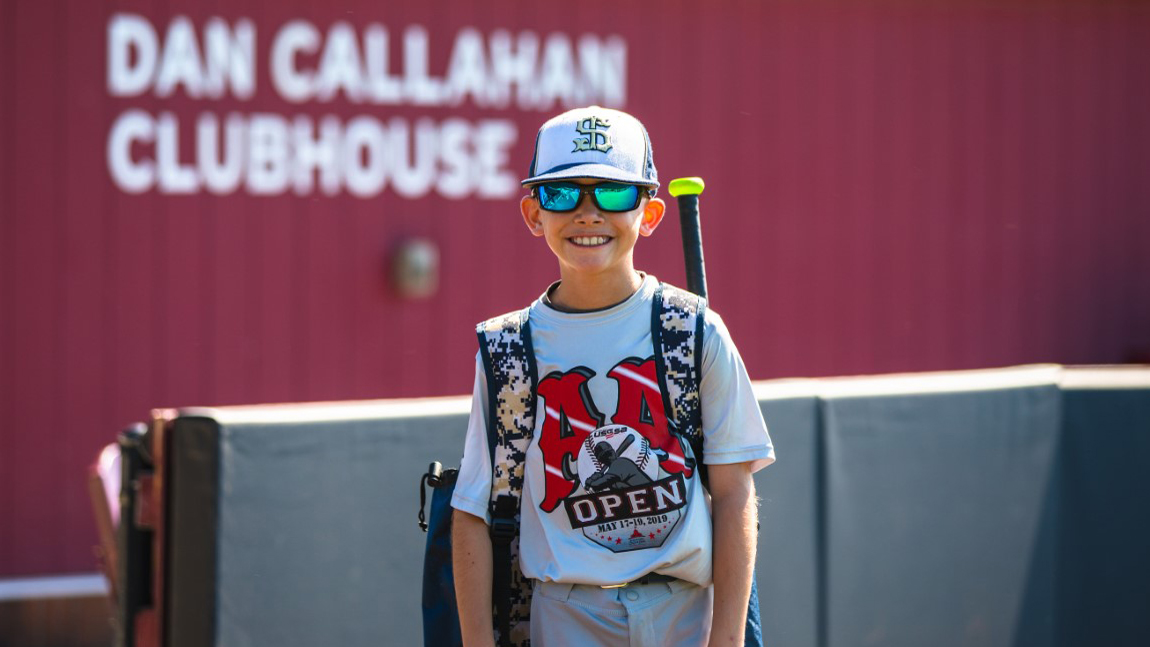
{"x":589,"y":241}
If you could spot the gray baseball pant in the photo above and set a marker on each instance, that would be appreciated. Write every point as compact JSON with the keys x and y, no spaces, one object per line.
{"x":638,"y":615}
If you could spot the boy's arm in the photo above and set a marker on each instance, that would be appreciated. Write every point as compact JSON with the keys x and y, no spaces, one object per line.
{"x":471,"y":560}
{"x":734,"y":514}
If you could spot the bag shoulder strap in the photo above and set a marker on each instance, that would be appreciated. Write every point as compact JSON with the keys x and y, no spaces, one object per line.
{"x":677,"y":319}
{"x":677,"y":328}
{"x":509,"y":365}
{"x":509,"y":362}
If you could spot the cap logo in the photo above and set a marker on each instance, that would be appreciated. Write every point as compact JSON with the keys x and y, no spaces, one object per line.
{"x":595,"y":139}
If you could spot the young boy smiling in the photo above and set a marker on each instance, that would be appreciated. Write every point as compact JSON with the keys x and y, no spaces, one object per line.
{"x":624,"y":544}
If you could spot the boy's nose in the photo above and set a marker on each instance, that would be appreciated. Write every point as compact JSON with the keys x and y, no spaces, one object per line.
{"x":586,"y":211}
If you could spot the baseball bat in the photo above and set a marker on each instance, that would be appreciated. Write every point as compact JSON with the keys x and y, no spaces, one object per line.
{"x":686,"y":190}
{"x":624,"y":445}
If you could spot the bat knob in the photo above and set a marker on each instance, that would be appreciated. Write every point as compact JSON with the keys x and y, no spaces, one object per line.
{"x":685,"y":186}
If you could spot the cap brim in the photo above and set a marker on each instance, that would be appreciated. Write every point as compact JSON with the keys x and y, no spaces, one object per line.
{"x":594,"y":172}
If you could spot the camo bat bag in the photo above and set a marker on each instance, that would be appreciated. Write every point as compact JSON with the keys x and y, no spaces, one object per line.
{"x":509,"y":363}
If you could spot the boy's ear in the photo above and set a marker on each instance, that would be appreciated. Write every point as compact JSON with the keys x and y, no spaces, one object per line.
{"x":652,"y":215}
{"x":529,"y":207}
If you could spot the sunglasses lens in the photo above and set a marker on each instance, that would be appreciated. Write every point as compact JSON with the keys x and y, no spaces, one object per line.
{"x":558,"y":197}
{"x":617,"y":197}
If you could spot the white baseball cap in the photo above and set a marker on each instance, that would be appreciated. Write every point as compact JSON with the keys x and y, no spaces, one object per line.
{"x":593,"y":142}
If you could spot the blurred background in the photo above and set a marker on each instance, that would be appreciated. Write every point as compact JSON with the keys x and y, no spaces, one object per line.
{"x":209,"y":203}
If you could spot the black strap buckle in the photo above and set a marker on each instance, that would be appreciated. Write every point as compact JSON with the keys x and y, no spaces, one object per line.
{"x":503,"y":530}
{"x":504,"y":527}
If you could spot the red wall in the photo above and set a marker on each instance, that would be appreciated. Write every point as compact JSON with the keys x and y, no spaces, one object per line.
{"x":891,"y":187}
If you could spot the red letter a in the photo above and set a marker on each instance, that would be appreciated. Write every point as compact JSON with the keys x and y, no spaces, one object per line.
{"x":570,"y":417}
{"x":641,"y":408}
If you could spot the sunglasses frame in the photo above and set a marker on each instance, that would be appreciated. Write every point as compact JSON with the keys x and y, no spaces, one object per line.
{"x":590,"y":189}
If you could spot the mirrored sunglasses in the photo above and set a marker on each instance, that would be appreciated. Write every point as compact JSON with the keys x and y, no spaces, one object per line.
{"x":608,"y":196}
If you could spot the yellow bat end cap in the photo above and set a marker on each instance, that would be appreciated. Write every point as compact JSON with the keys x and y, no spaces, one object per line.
{"x":685,"y":186}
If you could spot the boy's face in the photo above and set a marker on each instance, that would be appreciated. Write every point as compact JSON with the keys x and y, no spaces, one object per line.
{"x":588,"y":241}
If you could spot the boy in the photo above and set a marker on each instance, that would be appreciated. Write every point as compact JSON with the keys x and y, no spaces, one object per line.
{"x":615,"y":526}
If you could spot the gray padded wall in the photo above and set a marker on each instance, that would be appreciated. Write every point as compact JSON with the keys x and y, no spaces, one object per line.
{"x":1105,"y":551}
{"x":317,"y":541}
{"x":940,"y":526}
{"x":786,"y":566}
{"x":988,"y":515}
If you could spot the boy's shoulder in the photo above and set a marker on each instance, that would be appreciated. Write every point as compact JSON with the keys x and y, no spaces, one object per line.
{"x":677,"y":299}
{"x":506,"y":322}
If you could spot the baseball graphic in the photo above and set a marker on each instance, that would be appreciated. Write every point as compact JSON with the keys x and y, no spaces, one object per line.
{"x":616,"y":457}
{"x":624,"y":504}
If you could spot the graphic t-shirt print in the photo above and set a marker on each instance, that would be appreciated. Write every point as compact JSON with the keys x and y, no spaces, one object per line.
{"x":622,"y":483}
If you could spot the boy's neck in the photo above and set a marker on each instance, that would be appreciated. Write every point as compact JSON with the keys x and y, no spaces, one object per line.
{"x":582,"y":292}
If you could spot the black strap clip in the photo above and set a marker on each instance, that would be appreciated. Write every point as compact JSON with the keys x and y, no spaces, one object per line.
{"x":434,"y":478}
{"x":504,"y":527}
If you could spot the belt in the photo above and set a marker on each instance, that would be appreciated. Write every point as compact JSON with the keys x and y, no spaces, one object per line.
{"x":649,"y":578}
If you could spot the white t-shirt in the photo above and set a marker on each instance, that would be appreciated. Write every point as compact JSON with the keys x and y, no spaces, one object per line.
{"x":609,"y":494}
